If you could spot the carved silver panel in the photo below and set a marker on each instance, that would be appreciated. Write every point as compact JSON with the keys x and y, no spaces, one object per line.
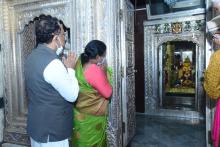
{"x":130,"y":90}
{"x":1,"y":73}
{"x":129,"y":99}
{"x":28,"y":43}
{"x":150,"y":99}
{"x":131,"y":122}
{"x":158,"y":32}
{"x":1,"y":54}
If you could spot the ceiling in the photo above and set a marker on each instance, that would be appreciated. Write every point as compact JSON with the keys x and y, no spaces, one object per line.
{"x":139,"y":3}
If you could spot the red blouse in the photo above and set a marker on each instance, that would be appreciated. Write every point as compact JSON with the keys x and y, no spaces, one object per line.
{"x":97,"y":78}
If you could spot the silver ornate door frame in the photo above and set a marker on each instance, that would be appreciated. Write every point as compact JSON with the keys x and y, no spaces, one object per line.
{"x":127,"y":67}
{"x":1,"y":73}
{"x":158,"y":32}
{"x":1,"y":54}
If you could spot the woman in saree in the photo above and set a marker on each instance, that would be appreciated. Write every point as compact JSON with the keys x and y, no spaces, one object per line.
{"x":91,"y":107}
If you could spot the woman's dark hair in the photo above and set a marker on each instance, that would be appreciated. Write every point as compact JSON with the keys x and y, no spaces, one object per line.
{"x":45,"y":27}
{"x":92,"y":49}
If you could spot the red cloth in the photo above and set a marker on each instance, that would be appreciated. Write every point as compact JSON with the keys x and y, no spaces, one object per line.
{"x":216,"y":125}
{"x":97,"y":78}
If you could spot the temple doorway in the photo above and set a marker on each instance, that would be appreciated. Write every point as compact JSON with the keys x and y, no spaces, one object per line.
{"x":169,"y":64}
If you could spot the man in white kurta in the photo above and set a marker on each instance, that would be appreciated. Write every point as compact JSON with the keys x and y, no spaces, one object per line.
{"x":51,"y":87}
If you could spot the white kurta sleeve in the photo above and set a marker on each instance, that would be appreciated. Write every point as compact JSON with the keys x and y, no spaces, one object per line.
{"x":62,"y":79}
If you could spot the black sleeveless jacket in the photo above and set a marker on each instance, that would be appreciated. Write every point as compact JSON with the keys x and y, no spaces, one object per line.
{"x":49,"y":114}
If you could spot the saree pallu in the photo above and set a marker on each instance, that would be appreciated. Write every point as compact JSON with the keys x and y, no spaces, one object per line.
{"x":90,"y":115}
{"x":92,"y":103}
{"x":89,"y":130}
{"x":216,"y":125}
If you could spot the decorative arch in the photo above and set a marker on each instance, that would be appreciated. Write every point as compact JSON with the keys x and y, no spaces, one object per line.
{"x":179,"y":38}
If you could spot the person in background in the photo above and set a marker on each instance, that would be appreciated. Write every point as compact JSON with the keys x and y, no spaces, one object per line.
{"x":91,"y":107}
{"x":51,"y":86}
{"x":216,"y":5}
{"x":212,"y":73}
{"x":212,"y":77}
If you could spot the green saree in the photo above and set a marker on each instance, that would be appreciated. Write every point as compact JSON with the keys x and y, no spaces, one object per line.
{"x":90,"y":115}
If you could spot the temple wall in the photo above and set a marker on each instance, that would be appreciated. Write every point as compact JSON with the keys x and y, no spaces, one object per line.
{"x":1,"y":28}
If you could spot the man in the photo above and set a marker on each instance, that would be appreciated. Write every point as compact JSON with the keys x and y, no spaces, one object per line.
{"x":51,"y":86}
{"x":212,"y":74}
{"x":212,"y":77}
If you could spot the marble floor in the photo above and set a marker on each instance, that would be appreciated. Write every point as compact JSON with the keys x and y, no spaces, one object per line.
{"x":167,"y":132}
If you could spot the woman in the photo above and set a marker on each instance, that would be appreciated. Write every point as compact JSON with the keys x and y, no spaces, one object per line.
{"x":90,"y":112}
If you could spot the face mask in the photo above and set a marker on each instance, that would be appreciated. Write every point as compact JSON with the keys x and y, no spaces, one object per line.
{"x":216,"y":36}
{"x":59,"y":49}
{"x":101,"y":62}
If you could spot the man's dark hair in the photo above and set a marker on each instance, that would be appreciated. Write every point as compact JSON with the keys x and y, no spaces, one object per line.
{"x":46,"y":27}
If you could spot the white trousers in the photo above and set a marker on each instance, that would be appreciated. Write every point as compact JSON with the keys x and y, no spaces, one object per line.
{"x":63,"y":143}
